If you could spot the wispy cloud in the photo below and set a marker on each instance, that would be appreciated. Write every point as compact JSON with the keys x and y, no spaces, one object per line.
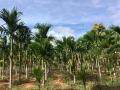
{"x":59,"y":32}
{"x":63,"y":12}
{"x":53,"y":11}
{"x":114,"y":13}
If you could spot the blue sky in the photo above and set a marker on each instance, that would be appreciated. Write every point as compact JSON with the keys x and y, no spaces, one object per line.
{"x":69,"y":17}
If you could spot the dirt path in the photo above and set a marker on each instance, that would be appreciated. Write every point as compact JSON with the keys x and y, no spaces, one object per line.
{"x":3,"y":85}
{"x":29,"y":85}
{"x":59,"y":80}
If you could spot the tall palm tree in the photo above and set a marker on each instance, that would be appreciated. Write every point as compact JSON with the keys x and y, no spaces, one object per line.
{"x":11,"y":19}
{"x":98,"y":36}
{"x":45,"y":46}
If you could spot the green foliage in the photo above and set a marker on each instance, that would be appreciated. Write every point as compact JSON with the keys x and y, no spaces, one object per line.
{"x":101,"y":45}
{"x":38,"y":73}
{"x":11,"y":18}
{"x":81,"y":75}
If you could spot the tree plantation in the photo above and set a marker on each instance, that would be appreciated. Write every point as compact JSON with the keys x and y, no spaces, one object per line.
{"x":38,"y":61}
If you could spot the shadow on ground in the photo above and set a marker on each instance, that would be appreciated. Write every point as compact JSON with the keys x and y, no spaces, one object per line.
{"x":103,"y":87}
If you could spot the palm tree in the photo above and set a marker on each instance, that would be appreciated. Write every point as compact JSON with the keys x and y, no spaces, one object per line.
{"x":45,"y":46}
{"x":67,"y":47}
{"x":22,"y":37}
{"x":11,"y":19}
{"x":98,"y":31}
{"x":3,"y":47}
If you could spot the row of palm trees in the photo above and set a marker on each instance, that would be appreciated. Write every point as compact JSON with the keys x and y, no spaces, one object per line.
{"x":96,"y":52}
{"x":22,"y":47}
{"x":21,"y":51}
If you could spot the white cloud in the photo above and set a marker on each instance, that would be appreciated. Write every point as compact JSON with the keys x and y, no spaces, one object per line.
{"x":115,"y":13}
{"x":33,"y":30}
{"x":60,"y":31}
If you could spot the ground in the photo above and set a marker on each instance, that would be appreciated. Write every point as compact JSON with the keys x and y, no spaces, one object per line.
{"x":58,"y":80}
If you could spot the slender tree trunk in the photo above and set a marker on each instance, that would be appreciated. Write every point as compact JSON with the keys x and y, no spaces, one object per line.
{"x":42,"y":63}
{"x":43,"y":80}
{"x":10,"y":79}
{"x":16,"y":71}
{"x":11,"y":57}
{"x":26,"y":71}
{"x":3,"y":66}
{"x":31,"y":63}
{"x":1,"y":71}
{"x":92,"y":67}
{"x":74,"y":78}
{"x":114,"y":73}
{"x":20,"y":62}
{"x":78,"y":56}
{"x":26,"y":67}
{"x":96,"y":63}
{"x":111,"y":78}
{"x":99,"y":70}
{"x":70,"y":70}
{"x":31,"y":66}
{"x":45,"y":71}
{"x":39,"y":86}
